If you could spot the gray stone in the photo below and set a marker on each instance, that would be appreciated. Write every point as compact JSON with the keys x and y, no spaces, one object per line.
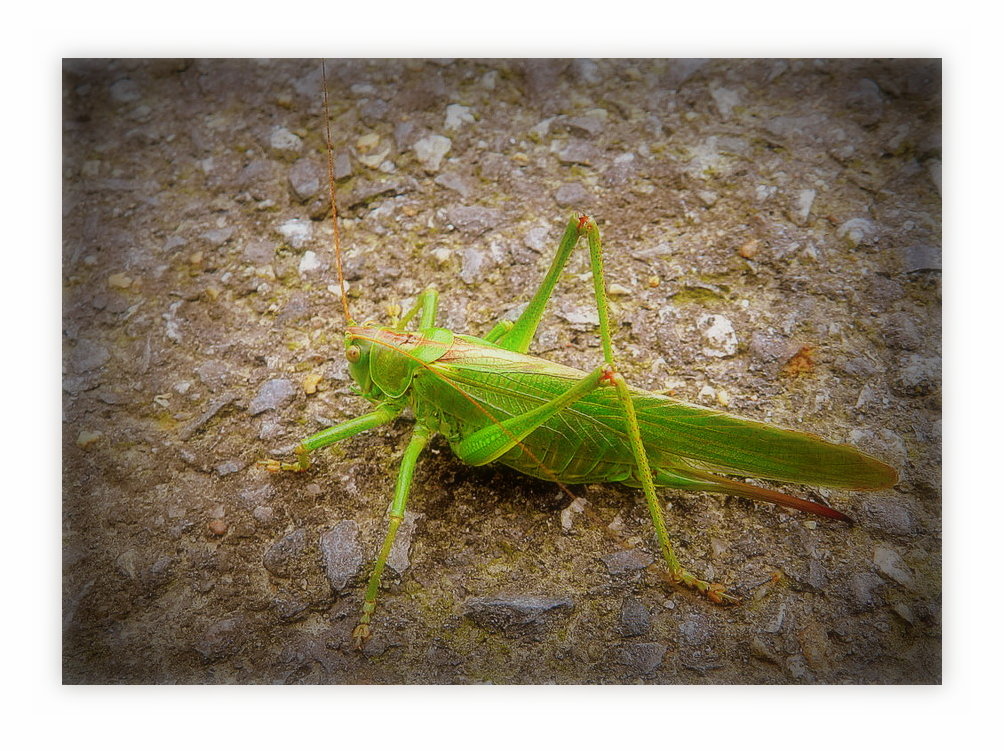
{"x":891,"y":563}
{"x":760,"y":650}
{"x":799,"y":668}
{"x":229,"y":467}
{"x":859,"y":367}
{"x":518,"y":616}
{"x":585,"y":125}
{"x":281,"y":559}
{"x":213,"y":373}
{"x":455,"y":182}
{"x":901,"y":332}
{"x":221,"y":639}
{"x":887,"y":514}
{"x":283,"y":141}
{"x":430,"y":151}
{"x":801,"y":206}
{"x":572,"y":195}
{"x":866,"y":100}
{"x":473,"y":262}
{"x":635,"y":618}
{"x":696,"y":629}
{"x":538,"y":239}
{"x":255,"y":495}
{"x":306,"y":177}
{"x":770,"y":348}
{"x":88,"y":355}
{"x":259,"y":252}
{"x":124,"y":91}
{"x":917,"y":375}
{"x":296,"y":231}
{"x":863,"y":588}
{"x":343,"y":165}
{"x":289,"y":608}
{"x":858,"y":231}
{"x":216,"y":238}
{"x":457,"y":115}
{"x":725,"y":100}
{"x":272,"y":395}
{"x":921,"y":258}
{"x":342,"y":553}
{"x":680,"y":70}
{"x":373,"y":111}
{"x":719,"y":336}
{"x":624,"y":561}
{"x":474,"y":219}
{"x":642,"y":658}
{"x":196,"y":424}
{"x":578,"y":152}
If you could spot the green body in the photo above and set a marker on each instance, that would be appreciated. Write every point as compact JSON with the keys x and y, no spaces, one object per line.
{"x":458,"y":385}
{"x":494,"y":402}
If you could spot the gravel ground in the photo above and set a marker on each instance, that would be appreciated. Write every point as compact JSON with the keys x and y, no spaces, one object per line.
{"x":773,"y":237}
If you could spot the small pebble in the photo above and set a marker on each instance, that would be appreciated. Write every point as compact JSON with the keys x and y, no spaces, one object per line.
{"x":430,"y":151}
{"x":228,"y":468}
{"x":218,"y":527}
{"x":281,"y":139}
{"x":296,"y":231}
{"x":309,"y":263}
{"x":749,"y":248}
{"x":640,"y":658}
{"x":271,"y":395}
{"x":616,"y":289}
{"x":719,"y":336}
{"x":120,"y":281}
{"x":125,"y":90}
{"x":305,"y":178}
{"x":802,"y":206}
{"x":570,"y":512}
{"x":890,"y":563}
{"x":857,"y":231}
{"x":457,"y":115}
{"x":635,"y":618}
{"x":624,"y":561}
{"x":86,"y":437}
{"x":310,"y":383}
{"x":341,"y":553}
{"x":572,"y":194}
{"x":725,"y":100}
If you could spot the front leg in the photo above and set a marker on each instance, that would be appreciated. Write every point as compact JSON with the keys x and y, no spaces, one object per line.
{"x":405,"y":473}
{"x":380,"y":416}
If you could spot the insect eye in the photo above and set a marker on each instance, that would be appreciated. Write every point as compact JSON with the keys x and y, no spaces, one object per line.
{"x":352,"y":353}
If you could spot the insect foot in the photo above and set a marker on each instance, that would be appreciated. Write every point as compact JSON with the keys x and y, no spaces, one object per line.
{"x":360,"y":634}
{"x":302,"y":463}
{"x":712,"y":590}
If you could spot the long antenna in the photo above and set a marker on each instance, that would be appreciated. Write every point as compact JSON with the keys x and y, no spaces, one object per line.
{"x":336,"y":238}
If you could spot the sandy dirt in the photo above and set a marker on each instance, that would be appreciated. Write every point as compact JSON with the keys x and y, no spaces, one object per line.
{"x":773,"y":231}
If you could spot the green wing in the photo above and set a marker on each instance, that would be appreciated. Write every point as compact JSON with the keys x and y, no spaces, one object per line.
{"x":721,"y":442}
{"x":690,"y":447}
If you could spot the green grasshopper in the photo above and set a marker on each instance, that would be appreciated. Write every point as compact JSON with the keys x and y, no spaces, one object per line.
{"x":493,"y":402}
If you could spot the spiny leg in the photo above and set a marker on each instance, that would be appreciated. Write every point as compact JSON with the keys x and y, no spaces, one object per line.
{"x":518,"y":336}
{"x":419,"y":438}
{"x":678,"y":574}
{"x":427,"y":303}
{"x":381,"y":415}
